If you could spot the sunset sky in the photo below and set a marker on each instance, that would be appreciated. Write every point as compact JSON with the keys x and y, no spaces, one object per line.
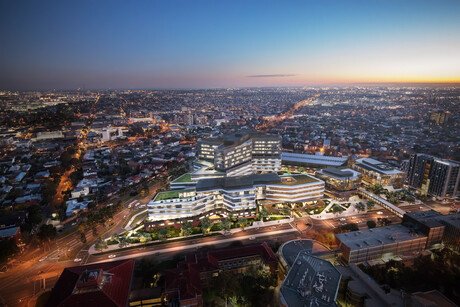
{"x":200,"y":44}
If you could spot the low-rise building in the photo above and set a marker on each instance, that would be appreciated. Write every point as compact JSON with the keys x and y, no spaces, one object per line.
{"x":184,"y":284}
{"x":311,"y":281}
{"x":377,"y":172}
{"x":341,"y":180}
{"x":100,"y":284}
{"x":437,"y":227}
{"x":381,"y":243}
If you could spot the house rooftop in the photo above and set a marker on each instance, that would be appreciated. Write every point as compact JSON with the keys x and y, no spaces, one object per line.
{"x":101,"y":284}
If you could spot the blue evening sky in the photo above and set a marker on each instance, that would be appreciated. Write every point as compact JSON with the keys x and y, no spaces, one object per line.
{"x":182,"y":44}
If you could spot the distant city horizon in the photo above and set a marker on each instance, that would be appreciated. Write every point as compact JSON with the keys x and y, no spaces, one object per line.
{"x":309,"y":86}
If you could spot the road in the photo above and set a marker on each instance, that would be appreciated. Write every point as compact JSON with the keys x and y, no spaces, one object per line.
{"x":19,"y":285}
{"x":190,"y":244}
{"x":16,"y":286}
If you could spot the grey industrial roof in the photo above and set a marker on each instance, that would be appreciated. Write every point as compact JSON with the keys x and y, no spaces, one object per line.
{"x":311,"y":281}
{"x":291,"y":249}
{"x":360,"y":239}
{"x":313,"y":159}
{"x":377,"y":166}
{"x":8,"y":232}
{"x":338,"y":172}
{"x":434,"y":218}
{"x":451,"y":219}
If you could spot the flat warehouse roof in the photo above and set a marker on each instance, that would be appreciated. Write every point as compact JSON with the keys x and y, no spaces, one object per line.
{"x":356,"y":240}
{"x":313,"y":159}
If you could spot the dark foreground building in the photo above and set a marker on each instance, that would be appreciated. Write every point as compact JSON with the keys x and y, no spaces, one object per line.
{"x":103,"y":284}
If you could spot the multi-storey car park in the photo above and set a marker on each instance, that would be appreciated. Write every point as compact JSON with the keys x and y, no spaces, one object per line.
{"x":235,"y":195}
{"x":380,"y":243}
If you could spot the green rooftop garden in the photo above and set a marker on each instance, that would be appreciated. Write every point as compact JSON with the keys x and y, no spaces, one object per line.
{"x":167,"y":195}
{"x":187,"y":177}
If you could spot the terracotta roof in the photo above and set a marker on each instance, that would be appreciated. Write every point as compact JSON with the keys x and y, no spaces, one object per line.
{"x":184,"y":281}
{"x":102,"y":284}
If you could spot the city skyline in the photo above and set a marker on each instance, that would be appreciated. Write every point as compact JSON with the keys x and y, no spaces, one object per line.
{"x":202,"y":44}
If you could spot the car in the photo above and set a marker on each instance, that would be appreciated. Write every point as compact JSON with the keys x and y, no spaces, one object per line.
{"x":74,"y":223}
{"x":42,"y":259}
{"x":379,"y":212}
{"x":252,"y":238}
{"x":111,"y":256}
{"x":343,"y":219}
{"x":77,"y":260}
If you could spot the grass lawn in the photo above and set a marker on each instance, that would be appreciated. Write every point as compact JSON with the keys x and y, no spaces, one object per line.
{"x":336,"y":208}
{"x":187,"y":177}
{"x":167,"y":195}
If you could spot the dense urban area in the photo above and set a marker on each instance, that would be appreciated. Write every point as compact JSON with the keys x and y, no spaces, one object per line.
{"x":338,"y":196}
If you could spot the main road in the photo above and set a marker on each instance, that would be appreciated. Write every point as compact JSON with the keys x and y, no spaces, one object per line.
{"x":30,"y":270}
{"x":20,"y":285}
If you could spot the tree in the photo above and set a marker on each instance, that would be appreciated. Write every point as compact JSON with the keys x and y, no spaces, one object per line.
{"x":263,"y":214}
{"x":186,"y":229}
{"x":243,"y":222}
{"x":384,"y":221}
{"x":226,"y":285}
{"x":205,"y":224}
{"x":46,"y":232}
{"x":122,"y":241}
{"x":162,"y":233}
{"x":360,"y":207}
{"x":147,"y":269}
{"x":370,"y":204}
{"x":347,"y":228}
{"x":94,"y":230}
{"x":371,"y":224}
{"x":226,"y":224}
{"x":171,"y":232}
{"x":82,"y":237}
{"x":100,"y":244}
{"x":7,"y":249}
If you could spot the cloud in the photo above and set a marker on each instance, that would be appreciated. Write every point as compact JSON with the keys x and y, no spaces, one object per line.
{"x":271,"y":76}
